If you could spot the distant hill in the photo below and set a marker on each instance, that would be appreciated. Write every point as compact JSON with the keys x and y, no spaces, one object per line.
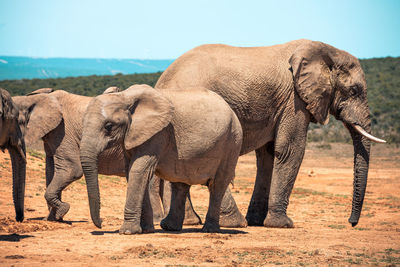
{"x":13,"y":68}
{"x":382,"y":74}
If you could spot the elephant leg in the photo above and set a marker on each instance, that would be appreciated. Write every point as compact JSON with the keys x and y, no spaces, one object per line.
{"x":191,"y":217}
{"x":155,"y":198}
{"x":176,"y":214}
{"x":146,"y":219}
{"x":141,"y":171}
{"x":49,"y":177}
{"x":217,"y":190}
{"x":61,"y":179}
{"x":230,"y":216}
{"x":289,"y":151}
{"x":258,"y":207}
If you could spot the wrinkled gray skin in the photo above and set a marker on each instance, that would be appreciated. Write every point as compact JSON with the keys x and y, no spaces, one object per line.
{"x":186,"y":136}
{"x":276,"y":92}
{"x":11,"y":139}
{"x":56,"y":118}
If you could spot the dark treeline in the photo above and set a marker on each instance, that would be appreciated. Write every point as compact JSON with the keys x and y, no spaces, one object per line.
{"x":84,"y":85}
{"x":382,"y":74}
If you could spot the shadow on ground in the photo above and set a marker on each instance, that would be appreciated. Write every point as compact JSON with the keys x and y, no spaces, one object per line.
{"x":14,"y":237}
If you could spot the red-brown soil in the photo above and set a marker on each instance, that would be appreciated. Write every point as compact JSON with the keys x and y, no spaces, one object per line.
{"x":319,"y":206}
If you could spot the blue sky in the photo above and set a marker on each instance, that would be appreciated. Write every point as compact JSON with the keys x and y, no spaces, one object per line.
{"x":166,"y":29}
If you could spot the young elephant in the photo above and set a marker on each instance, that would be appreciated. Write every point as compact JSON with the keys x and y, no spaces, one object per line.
{"x":184,"y":136}
{"x":56,"y":118}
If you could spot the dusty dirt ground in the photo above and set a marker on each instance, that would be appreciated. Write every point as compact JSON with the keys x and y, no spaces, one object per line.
{"x":319,"y":206}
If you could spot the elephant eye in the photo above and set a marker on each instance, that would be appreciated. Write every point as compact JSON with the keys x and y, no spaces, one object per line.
{"x":108,"y":126}
{"x":354,"y":91}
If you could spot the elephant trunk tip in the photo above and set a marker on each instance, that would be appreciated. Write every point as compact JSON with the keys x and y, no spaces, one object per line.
{"x":19,"y":217}
{"x":95,"y":212}
{"x":353,"y":221}
{"x":97,"y":222}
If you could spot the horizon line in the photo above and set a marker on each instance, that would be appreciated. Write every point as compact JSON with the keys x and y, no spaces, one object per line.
{"x":116,"y":58}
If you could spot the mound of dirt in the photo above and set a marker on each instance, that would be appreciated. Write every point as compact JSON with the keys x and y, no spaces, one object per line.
{"x":9,"y":225}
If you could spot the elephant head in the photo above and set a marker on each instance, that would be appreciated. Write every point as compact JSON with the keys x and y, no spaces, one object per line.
{"x":129,"y":118}
{"x":332,"y":81}
{"x":39,"y":114}
{"x":11,"y":138}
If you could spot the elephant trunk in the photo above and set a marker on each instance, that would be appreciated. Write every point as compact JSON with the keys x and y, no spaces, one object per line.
{"x":89,"y":163}
{"x":362,"y":147}
{"x":18,"y":161}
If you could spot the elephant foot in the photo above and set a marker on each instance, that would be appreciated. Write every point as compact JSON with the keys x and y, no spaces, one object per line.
{"x":148,"y":230}
{"x":130,"y":228}
{"x":254,"y":219}
{"x":147,"y":227}
{"x":57,"y":214}
{"x":210,"y":227}
{"x":62,"y":209}
{"x":233,"y":219}
{"x":168,"y":224}
{"x":52,"y":215}
{"x":275,"y":220}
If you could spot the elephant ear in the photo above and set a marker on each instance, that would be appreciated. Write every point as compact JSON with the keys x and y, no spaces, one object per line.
{"x":150,"y":112}
{"x":311,"y":66}
{"x":41,"y":91}
{"x":112,"y":89}
{"x":8,"y":110}
{"x":44,"y":115}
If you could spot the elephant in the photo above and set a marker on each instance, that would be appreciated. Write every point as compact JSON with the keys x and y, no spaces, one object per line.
{"x":56,"y":118}
{"x":276,"y":91}
{"x":11,"y":139}
{"x":184,"y":136}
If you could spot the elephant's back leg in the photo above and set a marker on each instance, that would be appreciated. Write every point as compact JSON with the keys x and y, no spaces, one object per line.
{"x":49,"y":178}
{"x":176,"y":214}
{"x":191,"y":217}
{"x":217,"y":187}
{"x":258,"y":207}
{"x":66,"y":171}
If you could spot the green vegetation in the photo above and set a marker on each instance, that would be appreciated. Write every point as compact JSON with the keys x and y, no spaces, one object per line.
{"x":85,"y":85}
{"x":36,"y":154}
{"x":382,"y":74}
{"x":336,"y":226}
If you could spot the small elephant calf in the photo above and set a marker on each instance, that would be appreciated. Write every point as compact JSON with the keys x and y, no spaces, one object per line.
{"x":184,"y":136}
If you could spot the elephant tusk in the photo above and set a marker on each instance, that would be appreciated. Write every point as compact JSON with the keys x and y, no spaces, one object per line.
{"x":367,"y":135}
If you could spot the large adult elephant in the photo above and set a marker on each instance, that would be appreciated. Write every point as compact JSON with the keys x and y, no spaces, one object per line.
{"x":11,"y":139}
{"x":276,"y":92}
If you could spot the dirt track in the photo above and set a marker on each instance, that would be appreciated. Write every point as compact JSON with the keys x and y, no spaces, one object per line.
{"x":319,"y":207}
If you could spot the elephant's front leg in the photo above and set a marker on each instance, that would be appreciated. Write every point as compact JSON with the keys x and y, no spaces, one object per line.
{"x":141,"y":170}
{"x":258,"y":207}
{"x":289,"y":151}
